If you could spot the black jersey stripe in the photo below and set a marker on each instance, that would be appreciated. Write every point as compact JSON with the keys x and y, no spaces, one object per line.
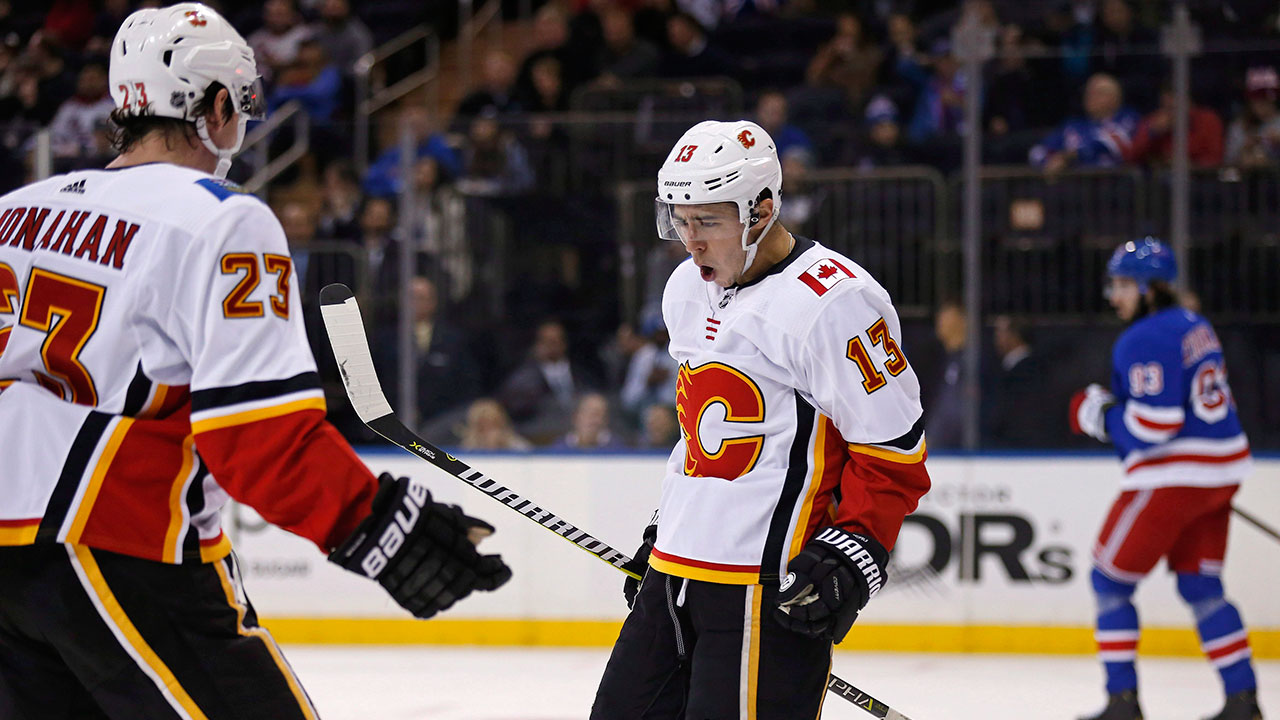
{"x":798,"y":465}
{"x":72,"y":472}
{"x":908,"y":441}
{"x":195,"y":505}
{"x":135,"y":398}
{"x":247,"y":392}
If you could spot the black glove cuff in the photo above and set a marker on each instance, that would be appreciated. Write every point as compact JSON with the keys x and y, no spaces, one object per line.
{"x":862,"y":553}
{"x":368,"y":555}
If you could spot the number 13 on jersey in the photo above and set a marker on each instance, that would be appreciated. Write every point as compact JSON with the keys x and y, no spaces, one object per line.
{"x":896,"y":362}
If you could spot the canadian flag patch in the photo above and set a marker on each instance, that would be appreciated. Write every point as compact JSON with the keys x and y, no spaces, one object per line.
{"x":824,"y":274}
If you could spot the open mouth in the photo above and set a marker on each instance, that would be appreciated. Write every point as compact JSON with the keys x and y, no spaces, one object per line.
{"x":708,"y":272}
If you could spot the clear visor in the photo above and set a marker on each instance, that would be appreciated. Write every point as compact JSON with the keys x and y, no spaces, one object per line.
{"x":692,"y":221}
{"x":253,"y":100}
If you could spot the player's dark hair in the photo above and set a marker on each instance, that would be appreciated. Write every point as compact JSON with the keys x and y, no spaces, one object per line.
{"x":1162,"y":296}
{"x":128,"y":128}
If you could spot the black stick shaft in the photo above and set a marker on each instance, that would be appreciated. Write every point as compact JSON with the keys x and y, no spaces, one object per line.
{"x":1256,"y":523}
{"x":345,"y":327}
{"x":390,"y":427}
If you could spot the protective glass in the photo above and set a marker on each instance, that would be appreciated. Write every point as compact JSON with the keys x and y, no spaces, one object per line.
{"x":672,"y":226}
{"x":667,"y":228}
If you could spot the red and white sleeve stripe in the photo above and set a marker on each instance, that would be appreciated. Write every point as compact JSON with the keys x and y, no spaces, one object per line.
{"x":1152,"y":424}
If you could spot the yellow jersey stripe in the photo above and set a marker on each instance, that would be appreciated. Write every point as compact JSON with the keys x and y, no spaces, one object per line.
{"x":895,"y":457}
{"x":248,"y":416}
{"x":725,"y":577}
{"x":177,"y":516}
{"x":819,"y":469}
{"x":157,"y":401}
{"x":95,"y":481}
{"x":127,"y":633}
{"x":304,"y":703}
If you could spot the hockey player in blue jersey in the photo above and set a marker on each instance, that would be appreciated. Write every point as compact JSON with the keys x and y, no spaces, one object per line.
{"x":1172,"y":419}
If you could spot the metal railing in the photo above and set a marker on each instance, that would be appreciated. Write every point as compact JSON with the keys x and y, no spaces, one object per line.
{"x":1045,"y":238}
{"x":372,"y":92}
{"x":258,"y":142}
{"x":889,"y":221}
{"x":471,"y":24}
{"x":623,"y":133}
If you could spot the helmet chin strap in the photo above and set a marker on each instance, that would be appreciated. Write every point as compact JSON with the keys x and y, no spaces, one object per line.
{"x":224,"y":155}
{"x":753,"y":248}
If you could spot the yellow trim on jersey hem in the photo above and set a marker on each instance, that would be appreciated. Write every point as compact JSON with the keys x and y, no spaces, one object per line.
{"x":265,"y":413}
{"x":131,"y":634}
{"x":261,"y":633}
{"x":95,"y":481}
{"x":217,"y":551}
{"x":19,"y":535}
{"x":724,"y":577}
{"x":1017,"y":640}
{"x":895,"y":457}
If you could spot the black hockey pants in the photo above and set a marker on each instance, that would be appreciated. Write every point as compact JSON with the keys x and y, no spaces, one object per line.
{"x":713,"y":652}
{"x":92,"y":635}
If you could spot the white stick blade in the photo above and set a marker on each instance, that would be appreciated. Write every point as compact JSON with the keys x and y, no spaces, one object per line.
{"x":345,"y":328}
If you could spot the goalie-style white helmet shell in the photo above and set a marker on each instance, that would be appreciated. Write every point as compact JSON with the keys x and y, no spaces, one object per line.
{"x":715,"y":162}
{"x":163,"y":60}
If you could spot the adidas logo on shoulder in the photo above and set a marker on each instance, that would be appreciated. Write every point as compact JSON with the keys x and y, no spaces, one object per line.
{"x":75,"y":187}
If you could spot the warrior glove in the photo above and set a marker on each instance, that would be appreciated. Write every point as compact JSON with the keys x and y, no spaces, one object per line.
{"x":420,"y":550}
{"x":1089,"y":412}
{"x":829,"y":582}
{"x":631,"y":585}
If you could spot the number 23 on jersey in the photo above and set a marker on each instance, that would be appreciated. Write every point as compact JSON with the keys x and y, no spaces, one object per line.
{"x":237,"y":303}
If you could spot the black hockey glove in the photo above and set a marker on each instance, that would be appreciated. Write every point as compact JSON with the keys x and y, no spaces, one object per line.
{"x":829,"y":582}
{"x":419,"y":550}
{"x":631,"y":585}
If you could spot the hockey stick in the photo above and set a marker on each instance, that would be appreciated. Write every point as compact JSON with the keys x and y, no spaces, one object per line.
{"x":1256,"y":523}
{"x":345,"y":327}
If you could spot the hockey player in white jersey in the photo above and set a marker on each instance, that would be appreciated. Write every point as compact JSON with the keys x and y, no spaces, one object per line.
{"x":802,"y":450}
{"x":152,"y":363}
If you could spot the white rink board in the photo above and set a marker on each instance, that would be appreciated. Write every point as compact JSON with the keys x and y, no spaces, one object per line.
{"x":1009,"y":536}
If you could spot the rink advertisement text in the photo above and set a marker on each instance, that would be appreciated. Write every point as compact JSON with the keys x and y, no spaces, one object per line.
{"x":998,"y":542}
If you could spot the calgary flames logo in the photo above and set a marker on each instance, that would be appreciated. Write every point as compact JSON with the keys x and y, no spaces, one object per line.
{"x":745,"y":138}
{"x":195,"y":18}
{"x":697,"y":389}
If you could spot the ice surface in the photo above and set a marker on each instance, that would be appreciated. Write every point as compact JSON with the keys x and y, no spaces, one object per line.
{"x":455,"y":683}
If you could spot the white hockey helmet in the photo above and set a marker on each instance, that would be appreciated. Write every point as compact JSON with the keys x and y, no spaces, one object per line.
{"x":715,"y":162}
{"x":163,"y":60}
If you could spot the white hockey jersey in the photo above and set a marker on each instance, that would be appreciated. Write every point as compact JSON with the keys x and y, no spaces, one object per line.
{"x":798,"y":411}
{"x":153,"y":360}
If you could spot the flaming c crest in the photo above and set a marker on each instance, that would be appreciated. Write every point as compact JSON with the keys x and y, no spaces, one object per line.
{"x":745,"y":138}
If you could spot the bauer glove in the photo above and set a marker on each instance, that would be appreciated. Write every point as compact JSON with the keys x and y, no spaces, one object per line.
{"x":631,"y":586}
{"x":829,"y":582}
{"x":1089,"y":412}
{"x":419,"y":550}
